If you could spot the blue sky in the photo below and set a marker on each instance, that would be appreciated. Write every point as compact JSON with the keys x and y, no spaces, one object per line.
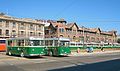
{"x":89,"y":13}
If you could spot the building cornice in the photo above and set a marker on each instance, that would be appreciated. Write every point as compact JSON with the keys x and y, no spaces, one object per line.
{"x":25,"y":20}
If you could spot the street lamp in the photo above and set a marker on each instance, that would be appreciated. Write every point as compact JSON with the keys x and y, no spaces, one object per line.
{"x":83,"y":35}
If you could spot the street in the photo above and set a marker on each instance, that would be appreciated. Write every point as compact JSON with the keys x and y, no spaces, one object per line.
{"x":90,"y":62}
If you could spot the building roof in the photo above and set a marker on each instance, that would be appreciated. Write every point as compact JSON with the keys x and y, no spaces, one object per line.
{"x":7,"y":17}
{"x":94,"y":29}
{"x":69,"y":25}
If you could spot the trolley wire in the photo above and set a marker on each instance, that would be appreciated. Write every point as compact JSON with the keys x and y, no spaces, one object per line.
{"x":65,"y":8}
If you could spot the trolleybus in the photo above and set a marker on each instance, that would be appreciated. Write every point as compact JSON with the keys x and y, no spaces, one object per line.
{"x":57,"y":46}
{"x":25,"y":46}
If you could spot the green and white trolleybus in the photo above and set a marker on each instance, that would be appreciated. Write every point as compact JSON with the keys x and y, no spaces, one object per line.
{"x":57,"y":46}
{"x":25,"y":46}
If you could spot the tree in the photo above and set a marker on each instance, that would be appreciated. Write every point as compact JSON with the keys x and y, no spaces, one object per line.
{"x":118,"y":40}
{"x":2,"y":13}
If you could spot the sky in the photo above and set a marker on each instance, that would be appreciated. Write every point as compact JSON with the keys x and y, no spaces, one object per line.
{"x":104,"y":14}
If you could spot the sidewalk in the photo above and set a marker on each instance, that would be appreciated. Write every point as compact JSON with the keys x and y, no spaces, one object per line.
{"x":92,"y":53}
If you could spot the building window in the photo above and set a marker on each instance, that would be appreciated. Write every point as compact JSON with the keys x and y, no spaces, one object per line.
{"x":93,"y":39}
{"x":22,"y":26}
{"x":73,"y":37}
{"x":40,"y":27}
{"x":13,"y":32}
{"x":98,"y":40}
{"x":7,"y":33}
{"x":31,"y":27}
{"x":0,"y":20}
{"x":0,"y":23}
{"x":22,"y":32}
{"x":14,"y":24}
{"x":61,"y":35}
{"x":0,"y":31}
{"x":31,"y":33}
{"x":39,"y":34}
{"x":61,"y":30}
{"x":7,"y":24}
{"x":87,"y":39}
{"x":81,"y":38}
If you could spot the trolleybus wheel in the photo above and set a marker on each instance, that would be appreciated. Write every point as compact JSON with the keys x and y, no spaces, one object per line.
{"x":22,"y":54}
{"x":9,"y":53}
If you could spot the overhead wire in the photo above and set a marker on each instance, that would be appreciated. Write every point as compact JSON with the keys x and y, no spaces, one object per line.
{"x":65,"y":8}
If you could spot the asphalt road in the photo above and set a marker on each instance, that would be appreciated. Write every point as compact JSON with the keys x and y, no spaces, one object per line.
{"x":102,"y":62}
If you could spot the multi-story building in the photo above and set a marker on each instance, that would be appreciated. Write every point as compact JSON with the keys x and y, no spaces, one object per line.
{"x":61,"y":28}
{"x":20,"y":27}
{"x":25,"y":27}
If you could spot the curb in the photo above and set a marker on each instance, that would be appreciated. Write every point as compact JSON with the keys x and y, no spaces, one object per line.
{"x":92,"y":53}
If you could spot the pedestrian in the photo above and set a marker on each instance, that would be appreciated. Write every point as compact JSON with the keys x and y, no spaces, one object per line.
{"x":102,"y":49}
{"x":78,"y":50}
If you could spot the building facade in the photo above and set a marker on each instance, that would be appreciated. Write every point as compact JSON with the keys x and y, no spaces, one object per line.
{"x":25,"y":27}
{"x":20,"y":27}
{"x":75,"y":33}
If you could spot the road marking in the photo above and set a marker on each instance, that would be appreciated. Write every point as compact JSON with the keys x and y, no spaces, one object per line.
{"x":70,"y":65}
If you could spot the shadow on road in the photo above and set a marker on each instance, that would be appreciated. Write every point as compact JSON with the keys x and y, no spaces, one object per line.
{"x":112,"y":65}
{"x":35,"y":57}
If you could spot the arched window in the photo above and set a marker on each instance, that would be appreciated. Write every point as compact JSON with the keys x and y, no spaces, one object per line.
{"x":73,"y":37}
{"x":13,"y":32}
{"x":14,"y":24}
{"x":7,"y":33}
{"x":39,"y":34}
{"x":31,"y":33}
{"x":22,"y":32}
{"x":61,"y":35}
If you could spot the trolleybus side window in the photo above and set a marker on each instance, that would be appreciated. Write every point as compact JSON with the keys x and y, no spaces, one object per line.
{"x":56,"y":42}
{"x":21,"y":43}
{"x":27,"y":43}
{"x":9,"y":42}
{"x":64,"y":43}
{"x":35,"y":43}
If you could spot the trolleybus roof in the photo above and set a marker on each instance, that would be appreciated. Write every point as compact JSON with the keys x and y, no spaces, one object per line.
{"x":30,"y":38}
{"x":61,"y":39}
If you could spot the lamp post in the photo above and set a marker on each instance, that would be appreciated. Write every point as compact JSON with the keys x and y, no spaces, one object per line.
{"x":83,"y":35}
